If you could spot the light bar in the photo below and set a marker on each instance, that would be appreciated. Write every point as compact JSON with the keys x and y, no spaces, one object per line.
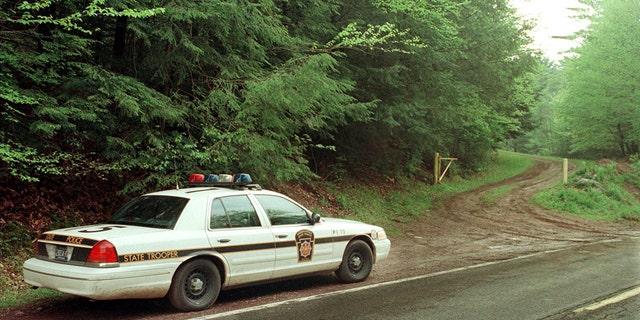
{"x":220,"y":180}
{"x":196,"y":177}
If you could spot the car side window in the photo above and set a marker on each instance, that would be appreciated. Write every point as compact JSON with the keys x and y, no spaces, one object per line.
{"x":233,"y":212}
{"x":281,"y":211}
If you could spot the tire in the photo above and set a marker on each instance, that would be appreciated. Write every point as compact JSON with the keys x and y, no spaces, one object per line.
{"x":195,"y":286}
{"x":357,"y":262}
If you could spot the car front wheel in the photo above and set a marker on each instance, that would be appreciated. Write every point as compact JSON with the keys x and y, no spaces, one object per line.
{"x":195,"y":286}
{"x":357,"y":262}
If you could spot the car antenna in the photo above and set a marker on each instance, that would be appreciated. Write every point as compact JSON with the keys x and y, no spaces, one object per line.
{"x":175,"y":172}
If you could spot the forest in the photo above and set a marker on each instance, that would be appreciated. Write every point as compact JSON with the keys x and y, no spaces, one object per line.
{"x":588,"y":107}
{"x":287,"y":90}
{"x":120,"y":97}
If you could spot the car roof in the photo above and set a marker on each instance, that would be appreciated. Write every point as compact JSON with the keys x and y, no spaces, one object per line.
{"x":203,"y":192}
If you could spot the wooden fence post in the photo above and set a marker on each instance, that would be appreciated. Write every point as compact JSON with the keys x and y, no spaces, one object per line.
{"x":565,"y":171}
{"x":436,"y":168}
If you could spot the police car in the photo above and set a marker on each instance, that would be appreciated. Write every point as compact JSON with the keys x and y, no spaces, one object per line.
{"x":188,"y":244}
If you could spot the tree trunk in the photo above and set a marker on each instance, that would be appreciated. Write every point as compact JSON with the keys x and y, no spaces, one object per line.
{"x":119,"y":37}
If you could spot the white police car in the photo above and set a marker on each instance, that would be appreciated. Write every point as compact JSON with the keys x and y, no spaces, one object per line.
{"x":188,"y":244}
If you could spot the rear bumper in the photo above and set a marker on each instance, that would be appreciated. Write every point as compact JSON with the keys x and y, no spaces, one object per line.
{"x":129,"y":282}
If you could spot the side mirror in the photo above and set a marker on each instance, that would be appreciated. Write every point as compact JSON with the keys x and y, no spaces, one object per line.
{"x":315,"y":218}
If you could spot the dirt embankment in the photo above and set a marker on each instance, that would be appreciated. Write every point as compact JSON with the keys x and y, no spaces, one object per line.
{"x":491,"y":223}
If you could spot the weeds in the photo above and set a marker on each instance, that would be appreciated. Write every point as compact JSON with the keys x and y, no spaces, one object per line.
{"x":13,"y":290}
{"x":404,"y":199}
{"x":13,"y":236}
{"x":600,"y":192}
{"x":15,"y":248}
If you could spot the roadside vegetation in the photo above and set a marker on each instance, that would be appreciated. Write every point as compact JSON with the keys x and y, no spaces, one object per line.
{"x":603,"y":191}
{"x":387,"y":202}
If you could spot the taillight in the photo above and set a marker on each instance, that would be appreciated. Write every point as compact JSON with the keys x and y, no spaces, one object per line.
{"x":103,"y":252}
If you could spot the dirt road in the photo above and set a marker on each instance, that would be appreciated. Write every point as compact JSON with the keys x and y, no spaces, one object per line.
{"x":474,"y":227}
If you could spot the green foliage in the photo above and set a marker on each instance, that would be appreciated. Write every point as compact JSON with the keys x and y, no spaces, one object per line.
{"x":589,"y":107}
{"x":251,"y":108}
{"x":267,"y":128}
{"x":456,"y":95}
{"x":280,"y":89}
{"x":73,"y":20}
{"x":600,"y":102}
{"x":546,"y":134}
{"x":597,"y":192}
{"x":633,"y":177}
{"x":22,"y":162}
{"x":13,"y":235}
{"x":386,"y":201}
{"x":375,"y":37}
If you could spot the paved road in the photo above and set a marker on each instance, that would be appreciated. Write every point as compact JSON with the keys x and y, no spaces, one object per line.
{"x":611,"y":308}
{"x":552,"y":285}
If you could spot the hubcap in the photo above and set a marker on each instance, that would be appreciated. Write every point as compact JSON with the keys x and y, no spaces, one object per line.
{"x":196,"y":284}
{"x":356,"y":262}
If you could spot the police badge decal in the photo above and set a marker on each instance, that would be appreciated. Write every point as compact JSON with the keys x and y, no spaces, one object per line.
{"x":305,"y":240}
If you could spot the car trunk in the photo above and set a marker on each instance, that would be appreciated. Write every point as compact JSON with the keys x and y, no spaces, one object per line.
{"x":74,"y":245}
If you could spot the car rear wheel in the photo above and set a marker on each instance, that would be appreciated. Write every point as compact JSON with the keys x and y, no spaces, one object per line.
{"x":195,"y":286}
{"x":357,"y":262}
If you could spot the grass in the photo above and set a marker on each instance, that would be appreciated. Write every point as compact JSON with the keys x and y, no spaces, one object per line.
{"x":13,"y":291}
{"x":15,"y":248}
{"x":402,"y":200}
{"x":496,"y":193}
{"x":13,"y":298}
{"x":600,"y":192}
{"x":504,"y":165}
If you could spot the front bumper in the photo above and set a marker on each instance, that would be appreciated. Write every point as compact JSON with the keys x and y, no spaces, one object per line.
{"x":383,"y":247}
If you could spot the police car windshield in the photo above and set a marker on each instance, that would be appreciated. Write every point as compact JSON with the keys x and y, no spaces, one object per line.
{"x":151,"y":211}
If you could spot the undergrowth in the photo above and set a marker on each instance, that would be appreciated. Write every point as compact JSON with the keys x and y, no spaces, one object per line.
{"x":389,"y":202}
{"x":13,"y":291}
{"x":601,"y":191}
{"x":15,"y":248}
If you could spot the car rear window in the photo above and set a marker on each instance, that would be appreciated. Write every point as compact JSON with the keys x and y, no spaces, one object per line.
{"x":151,"y":211}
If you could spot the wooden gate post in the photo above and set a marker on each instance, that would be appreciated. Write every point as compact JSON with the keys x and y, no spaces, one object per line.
{"x":436,"y":168}
{"x":565,"y":171}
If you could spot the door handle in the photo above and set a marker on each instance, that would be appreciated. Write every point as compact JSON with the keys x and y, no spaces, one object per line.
{"x":224,"y":240}
{"x":282,"y":236}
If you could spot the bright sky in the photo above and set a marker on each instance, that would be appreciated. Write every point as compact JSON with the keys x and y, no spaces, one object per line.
{"x":553,"y":18}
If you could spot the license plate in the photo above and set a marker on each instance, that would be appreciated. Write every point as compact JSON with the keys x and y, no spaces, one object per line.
{"x":62,"y":253}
